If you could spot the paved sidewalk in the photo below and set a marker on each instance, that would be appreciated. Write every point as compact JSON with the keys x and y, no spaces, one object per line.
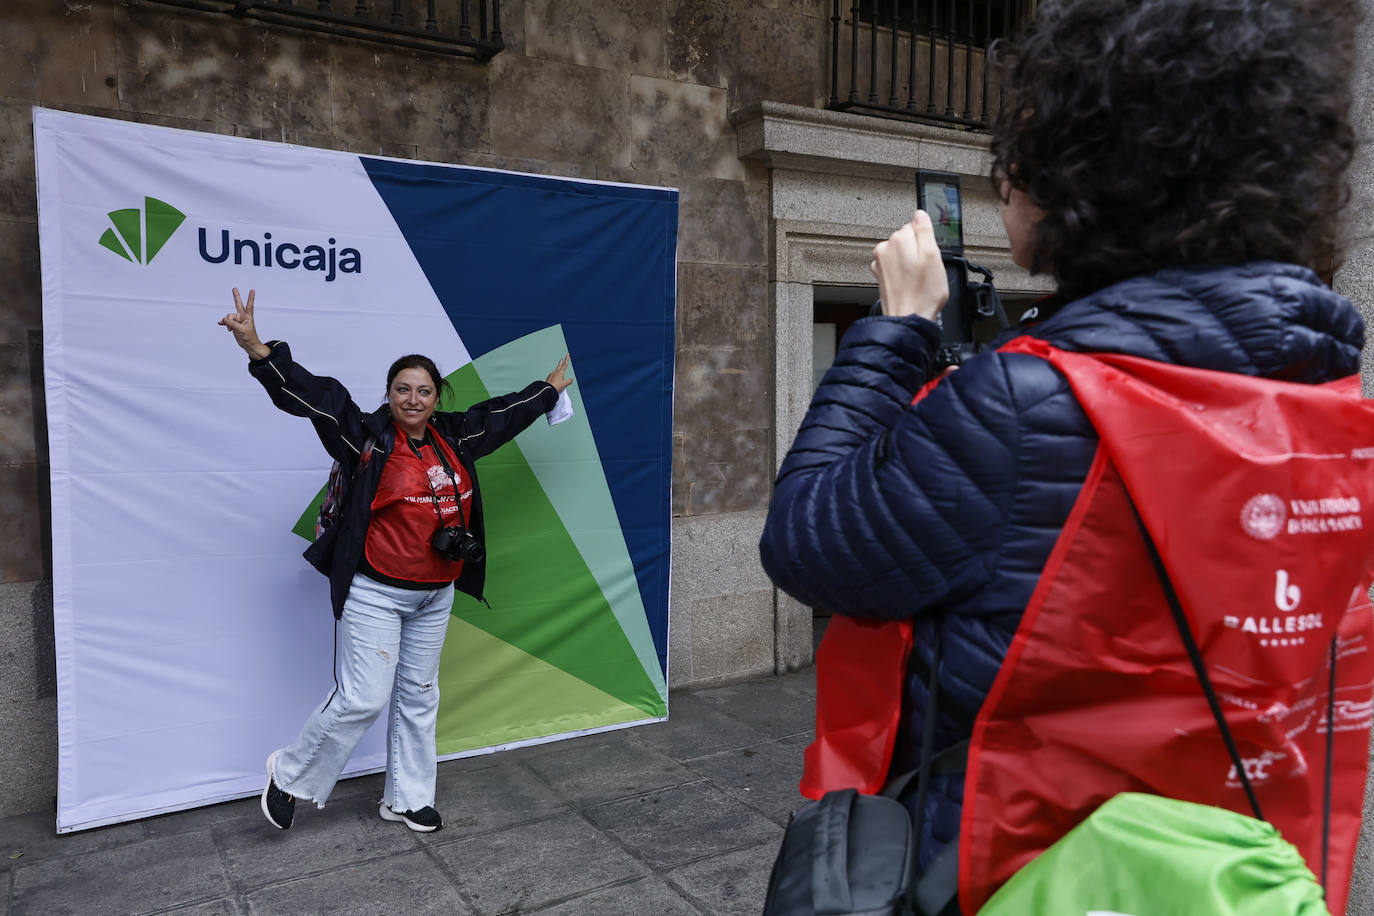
{"x":683,"y":817}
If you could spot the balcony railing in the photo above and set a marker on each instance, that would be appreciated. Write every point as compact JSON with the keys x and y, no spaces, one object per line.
{"x":466,"y":28}
{"x":919,"y":59}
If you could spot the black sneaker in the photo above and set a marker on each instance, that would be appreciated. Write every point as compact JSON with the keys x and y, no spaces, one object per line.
{"x":423,"y":821}
{"x":277,"y":806}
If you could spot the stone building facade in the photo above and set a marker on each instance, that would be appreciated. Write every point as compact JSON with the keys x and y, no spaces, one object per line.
{"x":723,"y":99}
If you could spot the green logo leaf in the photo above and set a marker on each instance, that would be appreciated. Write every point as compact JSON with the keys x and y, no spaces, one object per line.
{"x":155,"y":223}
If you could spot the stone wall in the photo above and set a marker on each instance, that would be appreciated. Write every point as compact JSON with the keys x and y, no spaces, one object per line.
{"x":637,"y":91}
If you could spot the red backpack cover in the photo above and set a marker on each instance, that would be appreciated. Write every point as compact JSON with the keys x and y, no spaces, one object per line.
{"x":1257,"y":495}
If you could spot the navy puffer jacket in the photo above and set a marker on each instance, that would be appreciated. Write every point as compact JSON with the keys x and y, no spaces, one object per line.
{"x":952,"y":507}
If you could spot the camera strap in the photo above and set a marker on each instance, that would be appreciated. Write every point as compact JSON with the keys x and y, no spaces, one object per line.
{"x":448,"y":469}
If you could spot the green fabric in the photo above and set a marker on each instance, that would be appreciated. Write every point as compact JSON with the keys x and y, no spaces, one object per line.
{"x":582,"y":501}
{"x":544,"y":599}
{"x":1143,"y":855}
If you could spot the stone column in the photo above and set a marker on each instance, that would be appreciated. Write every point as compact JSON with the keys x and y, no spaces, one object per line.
{"x":1355,"y":280}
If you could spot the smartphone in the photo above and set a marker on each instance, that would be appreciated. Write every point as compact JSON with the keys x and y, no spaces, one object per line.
{"x":937,"y":193}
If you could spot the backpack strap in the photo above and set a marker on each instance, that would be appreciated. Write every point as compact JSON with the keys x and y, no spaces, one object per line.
{"x":950,"y":761}
{"x":336,"y":488}
{"x":928,"y":733}
{"x":1195,"y":656}
{"x":830,"y":854}
{"x":1330,"y":752}
{"x":936,"y":888}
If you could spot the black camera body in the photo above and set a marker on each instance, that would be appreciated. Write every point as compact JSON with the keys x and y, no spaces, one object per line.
{"x":970,"y":301}
{"x":458,"y":544}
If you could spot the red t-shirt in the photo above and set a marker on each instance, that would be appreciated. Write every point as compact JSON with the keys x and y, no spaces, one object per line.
{"x":404,"y":517}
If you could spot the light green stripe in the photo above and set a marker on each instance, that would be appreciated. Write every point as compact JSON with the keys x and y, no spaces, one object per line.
{"x":587,"y":510}
{"x":493,"y":693}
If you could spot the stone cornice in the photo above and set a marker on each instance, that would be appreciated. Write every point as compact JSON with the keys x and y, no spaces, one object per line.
{"x":837,"y":142}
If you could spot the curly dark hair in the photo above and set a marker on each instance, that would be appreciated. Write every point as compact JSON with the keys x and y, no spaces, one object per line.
{"x":1159,"y":133}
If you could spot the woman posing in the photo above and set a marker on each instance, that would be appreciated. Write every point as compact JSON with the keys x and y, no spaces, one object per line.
{"x":408,"y":532}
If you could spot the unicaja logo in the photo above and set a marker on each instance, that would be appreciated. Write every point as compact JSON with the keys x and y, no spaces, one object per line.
{"x":1263,"y":516}
{"x":138,"y":235}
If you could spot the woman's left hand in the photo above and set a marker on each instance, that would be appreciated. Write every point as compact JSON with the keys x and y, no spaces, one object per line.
{"x":556,"y":377}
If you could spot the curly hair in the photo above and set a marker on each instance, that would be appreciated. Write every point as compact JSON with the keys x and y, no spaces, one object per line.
{"x":1160,"y":133}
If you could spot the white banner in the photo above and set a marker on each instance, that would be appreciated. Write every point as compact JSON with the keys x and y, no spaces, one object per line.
{"x":191,"y":636}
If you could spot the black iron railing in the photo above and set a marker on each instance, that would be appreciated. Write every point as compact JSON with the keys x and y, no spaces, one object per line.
{"x":466,"y":28}
{"x":919,"y":59}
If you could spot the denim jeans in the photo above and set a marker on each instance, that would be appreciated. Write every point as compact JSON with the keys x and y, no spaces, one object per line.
{"x":389,"y":642}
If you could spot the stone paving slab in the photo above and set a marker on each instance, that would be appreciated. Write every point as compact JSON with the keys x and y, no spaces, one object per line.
{"x":28,"y":839}
{"x":671,"y":819}
{"x":680,"y":824}
{"x":524,"y":867}
{"x":138,"y":877}
{"x":697,"y":728}
{"x":732,"y":884}
{"x":764,"y":777}
{"x":599,"y":768}
{"x":345,"y":832}
{"x":194,"y":820}
{"x":222,"y":907}
{"x":412,"y":883}
{"x":646,"y":897}
{"x":495,"y":796}
{"x":770,"y":706}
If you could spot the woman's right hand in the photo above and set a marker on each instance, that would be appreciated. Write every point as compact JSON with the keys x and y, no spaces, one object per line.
{"x":556,"y":378}
{"x":240,"y":323}
{"x":910,"y":270}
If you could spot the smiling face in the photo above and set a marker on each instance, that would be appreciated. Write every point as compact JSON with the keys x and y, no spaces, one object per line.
{"x":412,"y":396}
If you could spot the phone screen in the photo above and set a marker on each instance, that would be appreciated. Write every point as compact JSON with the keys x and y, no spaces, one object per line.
{"x":938,"y":195}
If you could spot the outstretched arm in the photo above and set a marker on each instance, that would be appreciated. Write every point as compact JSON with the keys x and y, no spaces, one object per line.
{"x":486,"y":426}
{"x":324,"y":401}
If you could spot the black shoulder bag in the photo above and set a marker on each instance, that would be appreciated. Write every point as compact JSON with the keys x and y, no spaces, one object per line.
{"x":848,"y":854}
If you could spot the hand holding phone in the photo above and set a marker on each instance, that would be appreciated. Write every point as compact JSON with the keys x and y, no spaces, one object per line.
{"x":910,"y":270}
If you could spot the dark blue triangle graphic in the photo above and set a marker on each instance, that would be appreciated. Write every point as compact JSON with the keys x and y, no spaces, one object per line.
{"x":511,"y":254}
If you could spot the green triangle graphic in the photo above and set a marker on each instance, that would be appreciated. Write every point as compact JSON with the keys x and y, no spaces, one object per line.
{"x":492,"y":693}
{"x":111,"y":241}
{"x":163,"y":219}
{"x":544,"y":600}
{"x":128,"y":223}
{"x":567,"y":463}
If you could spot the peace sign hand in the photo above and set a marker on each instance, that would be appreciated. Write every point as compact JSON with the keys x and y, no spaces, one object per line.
{"x":245,"y":330}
